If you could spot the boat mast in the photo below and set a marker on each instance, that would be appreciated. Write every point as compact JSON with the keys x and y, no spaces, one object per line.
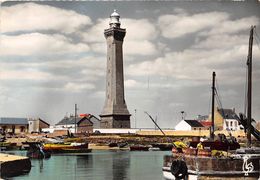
{"x":213,"y":107}
{"x":249,"y":87}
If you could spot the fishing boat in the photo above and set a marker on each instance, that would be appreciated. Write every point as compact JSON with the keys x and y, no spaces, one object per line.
{"x":218,"y":158}
{"x":67,"y":148}
{"x":36,"y":151}
{"x":163,"y":146}
{"x":139,"y":147}
{"x":122,"y":144}
{"x":112,"y":144}
{"x":7,"y":146}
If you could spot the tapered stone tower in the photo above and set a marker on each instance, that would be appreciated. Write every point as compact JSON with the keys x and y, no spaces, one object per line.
{"x":115,"y":113}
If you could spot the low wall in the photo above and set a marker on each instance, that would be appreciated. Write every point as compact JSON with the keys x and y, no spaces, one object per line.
{"x":11,"y":165}
{"x":188,"y":133}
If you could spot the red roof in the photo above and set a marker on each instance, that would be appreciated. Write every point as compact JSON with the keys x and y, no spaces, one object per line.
{"x":206,"y":123}
{"x":84,"y":115}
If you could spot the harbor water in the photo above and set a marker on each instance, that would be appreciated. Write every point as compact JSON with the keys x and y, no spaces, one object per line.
{"x":99,"y":165}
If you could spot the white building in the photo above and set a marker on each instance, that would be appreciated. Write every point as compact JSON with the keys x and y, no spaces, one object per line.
{"x":37,"y":124}
{"x":230,"y":119}
{"x":187,"y":125}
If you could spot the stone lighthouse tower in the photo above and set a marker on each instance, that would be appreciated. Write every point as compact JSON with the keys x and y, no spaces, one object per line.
{"x":115,"y":113}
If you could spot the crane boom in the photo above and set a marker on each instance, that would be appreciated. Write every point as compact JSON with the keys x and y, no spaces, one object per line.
{"x":155,"y":122}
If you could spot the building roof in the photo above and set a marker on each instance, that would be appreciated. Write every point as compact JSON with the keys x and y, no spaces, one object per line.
{"x":115,"y":14}
{"x":228,"y":113}
{"x":94,"y":118}
{"x":206,"y":123}
{"x":70,"y":120}
{"x":194,"y":123}
{"x":13,"y":121}
{"x":33,"y":119}
{"x":95,"y":121}
{"x":44,"y":122}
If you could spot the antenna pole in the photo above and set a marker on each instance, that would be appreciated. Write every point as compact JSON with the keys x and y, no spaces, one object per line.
{"x":135,"y":118}
{"x":75,"y":118}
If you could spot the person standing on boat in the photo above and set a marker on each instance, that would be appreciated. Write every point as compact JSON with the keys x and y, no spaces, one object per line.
{"x":200,"y":146}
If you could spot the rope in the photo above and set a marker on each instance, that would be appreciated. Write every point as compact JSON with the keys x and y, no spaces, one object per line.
{"x":218,"y":98}
{"x":210,"y":99}
{"x":257,"y":39}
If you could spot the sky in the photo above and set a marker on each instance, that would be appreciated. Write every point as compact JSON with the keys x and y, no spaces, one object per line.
{"x":53,"y":56}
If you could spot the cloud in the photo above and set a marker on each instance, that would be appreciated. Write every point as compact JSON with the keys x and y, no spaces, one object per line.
{"x":139,"y":29}
{"x":39,"y":44}
{"x":77,"y":87}
{"x":136,"y":29}
{"x":173,"y":26}
{"x":96,"y":32}
{"x":99,"y":47}
{"x":141,"y":48}
{"x":196,"y":65}
{"x":58,"y":75}
{"x":131,"y":83}
{"x":139,"y":35}
{"x":22,"y":75}
{"x":234,"y":26}
{"x":210,"y":23}
{"x":33,"y":17}
{"x":227,"y":41}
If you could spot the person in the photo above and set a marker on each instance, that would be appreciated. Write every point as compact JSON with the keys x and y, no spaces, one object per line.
{"x":200,"y":146}
{"x":204,"y":138}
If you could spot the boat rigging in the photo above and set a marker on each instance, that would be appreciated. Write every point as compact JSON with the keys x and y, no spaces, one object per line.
{"x":243,"y":120}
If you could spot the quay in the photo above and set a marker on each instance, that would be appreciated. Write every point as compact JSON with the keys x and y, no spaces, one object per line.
{"x":12,"y":165}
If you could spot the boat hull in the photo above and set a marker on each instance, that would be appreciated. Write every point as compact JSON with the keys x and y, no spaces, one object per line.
{"x":67,"y":148}
{"x":237,"y":166}
{"x":163,"y":146}
{"x":139,"y":148}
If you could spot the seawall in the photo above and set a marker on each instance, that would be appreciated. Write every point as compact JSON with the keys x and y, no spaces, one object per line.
{"x":12,"y":165}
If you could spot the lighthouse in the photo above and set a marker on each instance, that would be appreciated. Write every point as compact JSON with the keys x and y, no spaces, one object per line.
{"x":115,"y":113}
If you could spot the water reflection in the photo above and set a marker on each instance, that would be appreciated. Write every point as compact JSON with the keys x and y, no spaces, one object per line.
{"x":85,"y":161}
{"x":120,"y":165}
{"x":41,"y":165}
{"x":98,"y":165}
{"x":110,"y":164}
